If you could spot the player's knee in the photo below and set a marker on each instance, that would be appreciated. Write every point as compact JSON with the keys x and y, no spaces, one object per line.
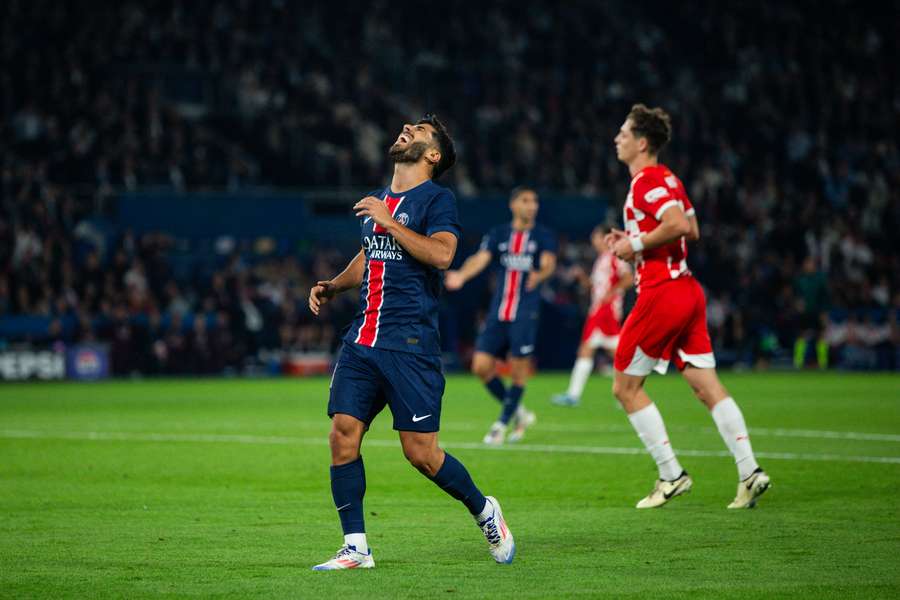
{"x":343,"y":443}
{"x":711,"y":395}
{"x":701,"y":394}
{"x":624,"y":392}
{"x":337,"y":440}
{"x":482,"y":369}
{"x":421,"y":458}
{"x":519,"y":378}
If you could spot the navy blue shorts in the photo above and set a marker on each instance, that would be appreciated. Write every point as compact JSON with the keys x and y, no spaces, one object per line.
{"x":515,"y":337}
{"x":367,"y":379}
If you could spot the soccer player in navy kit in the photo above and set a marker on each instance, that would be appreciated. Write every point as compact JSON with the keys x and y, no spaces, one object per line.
{"x":391,"y":353}
{"x":524,"y":256}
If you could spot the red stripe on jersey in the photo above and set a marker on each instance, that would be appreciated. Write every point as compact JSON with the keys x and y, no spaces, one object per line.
{"x":392,"y":204}
{"x":368,"y":332}
{"x":510,"y":301}
{"x":513,"y":297}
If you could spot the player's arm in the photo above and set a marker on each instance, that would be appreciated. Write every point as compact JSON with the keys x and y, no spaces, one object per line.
{"x":472,"y":266}
{"x":673,"y":225}
{"x":626,"y":278}
{"x":547,"y":268}
{"x":436,"y":250}
{"x":694,"y":235}
{"x":349,"y":278}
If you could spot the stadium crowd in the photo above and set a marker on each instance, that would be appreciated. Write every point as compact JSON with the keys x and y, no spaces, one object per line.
{"x":786,"y":135}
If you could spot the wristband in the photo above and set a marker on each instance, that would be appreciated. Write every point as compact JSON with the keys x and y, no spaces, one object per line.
{"x":637,"y":244}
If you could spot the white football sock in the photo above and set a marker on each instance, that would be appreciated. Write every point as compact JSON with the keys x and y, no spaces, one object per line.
{"x":580,"y":373}
{"x":358,"y":540}
{"x":650,"y":428}
{"x":733,"y":429}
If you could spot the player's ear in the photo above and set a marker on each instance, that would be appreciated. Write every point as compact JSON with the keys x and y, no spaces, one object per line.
{"x":433,"y":156}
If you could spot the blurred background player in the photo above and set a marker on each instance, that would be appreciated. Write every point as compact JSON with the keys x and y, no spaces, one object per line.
{"x":524,"y":256}
{"x":668,"y":321}
{"x":391,"y":352}
{"x":610,"y":278}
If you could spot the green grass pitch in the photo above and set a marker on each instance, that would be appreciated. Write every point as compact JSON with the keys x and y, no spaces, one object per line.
{"x":219,"y":488}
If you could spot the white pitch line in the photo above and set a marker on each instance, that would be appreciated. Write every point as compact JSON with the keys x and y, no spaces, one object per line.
{"x":754,"y":431}
{"x":323,"y":441}
{"x":317,"y":425}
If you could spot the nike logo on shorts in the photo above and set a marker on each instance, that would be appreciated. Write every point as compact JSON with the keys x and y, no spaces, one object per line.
{"x":416,"y":419}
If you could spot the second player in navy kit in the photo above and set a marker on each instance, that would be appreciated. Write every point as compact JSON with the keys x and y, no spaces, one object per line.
{"x":391,"y":352}
{"x":523,"y":255}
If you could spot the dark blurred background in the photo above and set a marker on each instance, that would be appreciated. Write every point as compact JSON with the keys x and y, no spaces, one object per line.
{"x":175,"y":175}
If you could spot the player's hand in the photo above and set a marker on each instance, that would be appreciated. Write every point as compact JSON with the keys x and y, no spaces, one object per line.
{"x":370,"y":206}
{"x":622,"y":248}
{"x":613,"y":236}
{"x":453,"y":280}
{"x":320,"y":294}
{"x":533,"y":281}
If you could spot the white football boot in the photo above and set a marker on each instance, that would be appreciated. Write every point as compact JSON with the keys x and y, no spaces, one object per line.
{"x":522,"y":420}
{"x":664,"y":491}
{"x":750,"y":489}
{"x":564,"y":400}
{"x":496,"y":435}
{"x":347,"y":558}
{"x":499,"y":537}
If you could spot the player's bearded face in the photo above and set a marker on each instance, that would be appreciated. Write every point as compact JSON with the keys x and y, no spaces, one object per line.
{"x":408,"y":153}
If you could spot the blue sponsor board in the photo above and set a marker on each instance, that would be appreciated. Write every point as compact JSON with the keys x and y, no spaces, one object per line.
{"x":87,"y":362}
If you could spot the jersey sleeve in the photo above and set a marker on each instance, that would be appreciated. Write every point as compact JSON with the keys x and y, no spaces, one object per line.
{"x":688,"y":206}
{"x":489,"y":241}
{"x":677,"y":187}
{"x":652,"y":196}
{"x":442,"y":215}
{"x":549,"y":243}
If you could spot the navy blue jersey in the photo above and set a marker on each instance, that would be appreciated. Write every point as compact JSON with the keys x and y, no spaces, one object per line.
{"x":399,"y":295}
{"x":514,"y":255}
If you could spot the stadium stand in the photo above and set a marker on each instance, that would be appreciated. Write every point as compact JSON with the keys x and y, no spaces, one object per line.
{"x":795,"y":172}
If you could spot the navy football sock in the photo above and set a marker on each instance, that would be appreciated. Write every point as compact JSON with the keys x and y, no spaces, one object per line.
{"x":497,"y":389}
{"x":453,"y":478}
{"x":348,"y":486}
{"x":513,"y":399}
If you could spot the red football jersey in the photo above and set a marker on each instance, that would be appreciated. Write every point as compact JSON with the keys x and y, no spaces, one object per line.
{"x":607,"y":272}
{"x":654,"y":190}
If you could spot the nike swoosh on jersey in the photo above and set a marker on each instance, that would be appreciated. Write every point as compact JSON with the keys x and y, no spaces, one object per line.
{"x":416,"y":419}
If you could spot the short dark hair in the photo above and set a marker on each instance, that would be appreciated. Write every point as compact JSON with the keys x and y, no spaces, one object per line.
{"x":653,"y":124}
{"x":444,"y":143}
{"x":519,"y":190}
